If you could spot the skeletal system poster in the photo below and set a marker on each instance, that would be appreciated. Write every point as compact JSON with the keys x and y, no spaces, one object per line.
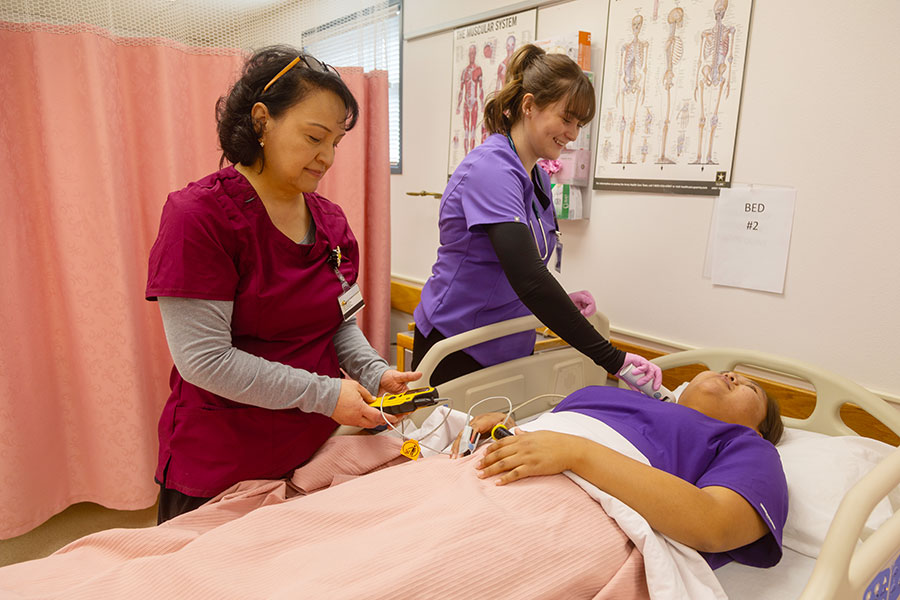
{"x":481,"y":53}
{"x":671,"y":94}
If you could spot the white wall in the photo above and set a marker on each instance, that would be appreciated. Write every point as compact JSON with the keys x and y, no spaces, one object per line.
{"x":818,"y":114}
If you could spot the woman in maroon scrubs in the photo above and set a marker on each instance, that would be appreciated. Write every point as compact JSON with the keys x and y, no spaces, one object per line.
{"x":255,"y":277}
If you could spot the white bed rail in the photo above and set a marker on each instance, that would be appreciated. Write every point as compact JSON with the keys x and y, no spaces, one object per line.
{"x":832,"y":391}
{"x":556,"y":372}
{"x":844,"y":569}
{"x":489,"y":332}
{"x":549,"y":375}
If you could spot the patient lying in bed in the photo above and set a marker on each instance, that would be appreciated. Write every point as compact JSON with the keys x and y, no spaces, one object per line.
{"x":442,"y":528}
{"x":712,"y":478}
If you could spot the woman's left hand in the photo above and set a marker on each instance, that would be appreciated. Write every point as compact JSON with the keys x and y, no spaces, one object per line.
{"x":584,"y":302}
{"x":394,"y":382}
{"x":528,"y":454}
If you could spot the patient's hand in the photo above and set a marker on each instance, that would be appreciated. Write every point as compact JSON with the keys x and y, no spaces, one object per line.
{"x":482,"y":424}
{"x":527,"y":454}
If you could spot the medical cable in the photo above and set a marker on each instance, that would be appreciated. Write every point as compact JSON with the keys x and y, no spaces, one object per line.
{"x":500,"y":430}
{"x":530,"y":400}
{"x":439,"y":402}
{"x":469,"y":437}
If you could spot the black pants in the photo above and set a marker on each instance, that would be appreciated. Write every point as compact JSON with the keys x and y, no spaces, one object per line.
{"x":173,"y":503}
{"x":452,"y":366}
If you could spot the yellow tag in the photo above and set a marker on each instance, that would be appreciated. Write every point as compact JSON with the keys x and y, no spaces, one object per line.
{"x":410,"y":449}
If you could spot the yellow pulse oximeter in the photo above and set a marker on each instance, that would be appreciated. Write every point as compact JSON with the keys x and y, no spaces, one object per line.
{"x":396,"y":404}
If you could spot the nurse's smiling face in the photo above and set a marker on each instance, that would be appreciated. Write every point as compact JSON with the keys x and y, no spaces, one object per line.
{"x":548,"y":129}
{"x":300,"y":144}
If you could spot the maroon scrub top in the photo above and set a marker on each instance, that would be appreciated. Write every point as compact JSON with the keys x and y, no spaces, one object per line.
{"x":216,"y":242}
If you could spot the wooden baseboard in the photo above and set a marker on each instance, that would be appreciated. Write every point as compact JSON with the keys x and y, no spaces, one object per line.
{"x":405,"y":296}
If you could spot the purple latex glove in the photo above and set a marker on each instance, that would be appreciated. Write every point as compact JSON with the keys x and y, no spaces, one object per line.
{"x":584,"y":302}
{"x":644,"y":367}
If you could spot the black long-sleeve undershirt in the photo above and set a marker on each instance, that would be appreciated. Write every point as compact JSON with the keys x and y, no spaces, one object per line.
{"x":544,"y":296}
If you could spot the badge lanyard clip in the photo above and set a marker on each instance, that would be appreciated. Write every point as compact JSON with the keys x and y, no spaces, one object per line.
{"x":351,"y":300}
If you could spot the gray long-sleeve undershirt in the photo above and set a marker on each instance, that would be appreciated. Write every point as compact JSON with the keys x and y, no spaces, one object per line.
{"x":199,"y":337}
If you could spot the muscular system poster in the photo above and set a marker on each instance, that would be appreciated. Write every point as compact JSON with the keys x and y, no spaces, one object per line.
{"x":481,"y":52}
{"x":671,"y":94}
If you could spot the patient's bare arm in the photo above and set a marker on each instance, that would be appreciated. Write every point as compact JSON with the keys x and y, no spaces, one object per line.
{"x":710,"y":519}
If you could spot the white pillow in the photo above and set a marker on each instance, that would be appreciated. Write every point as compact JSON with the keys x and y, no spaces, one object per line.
{"x":820,"y":470}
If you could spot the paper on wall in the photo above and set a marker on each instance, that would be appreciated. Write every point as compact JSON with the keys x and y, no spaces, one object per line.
{"x":750,"y":237}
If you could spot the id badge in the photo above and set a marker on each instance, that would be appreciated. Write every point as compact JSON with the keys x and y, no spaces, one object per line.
{"x":559,"y":249}
{"x":351,"y":301}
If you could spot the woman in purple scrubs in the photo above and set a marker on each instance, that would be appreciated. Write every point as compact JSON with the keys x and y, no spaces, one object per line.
{"x":255,"y":275}
{"x":498,"y":228}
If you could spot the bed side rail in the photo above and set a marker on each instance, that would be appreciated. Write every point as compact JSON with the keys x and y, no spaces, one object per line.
{"x":832,"y":390}
{"x":552,"y":373}
{"x":847,"y":570}
{"x":489,"y":332}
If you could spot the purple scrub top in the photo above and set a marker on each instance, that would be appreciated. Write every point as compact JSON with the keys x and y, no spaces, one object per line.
{"x":468,"y":288}
{"x":216,"y":242}
{"x":702,"y":451}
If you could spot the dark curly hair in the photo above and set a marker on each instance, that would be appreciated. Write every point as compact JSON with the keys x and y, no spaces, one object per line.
{"x":238,"y":134}
{"x":771,"y":427}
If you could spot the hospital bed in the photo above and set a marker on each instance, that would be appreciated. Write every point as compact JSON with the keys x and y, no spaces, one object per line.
{"x":859,"y":556}
{"x":248,"y":536}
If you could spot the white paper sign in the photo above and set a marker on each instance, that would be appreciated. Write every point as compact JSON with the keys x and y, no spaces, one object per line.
{"x":751,"y":236}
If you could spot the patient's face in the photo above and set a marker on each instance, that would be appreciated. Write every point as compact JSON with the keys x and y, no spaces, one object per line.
{"x":727,"y":396}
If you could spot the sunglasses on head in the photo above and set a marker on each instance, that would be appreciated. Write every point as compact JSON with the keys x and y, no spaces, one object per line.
{"x":311,"y":63}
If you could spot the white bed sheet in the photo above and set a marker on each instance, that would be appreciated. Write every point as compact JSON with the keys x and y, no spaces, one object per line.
{"x":784,"y":581}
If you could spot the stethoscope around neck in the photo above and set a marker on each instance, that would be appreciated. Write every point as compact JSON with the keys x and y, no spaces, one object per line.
{"x":546,"y":251}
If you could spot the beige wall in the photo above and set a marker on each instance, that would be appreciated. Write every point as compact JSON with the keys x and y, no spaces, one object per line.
{"x":818,"y":114}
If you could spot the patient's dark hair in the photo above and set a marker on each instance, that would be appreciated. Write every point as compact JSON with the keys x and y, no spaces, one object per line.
{"x":549,"y":78}
{"x":238,"y":134}
{"x":771,"y":427}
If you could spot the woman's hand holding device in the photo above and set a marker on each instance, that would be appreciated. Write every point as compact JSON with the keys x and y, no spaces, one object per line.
{"x":353,"y":407}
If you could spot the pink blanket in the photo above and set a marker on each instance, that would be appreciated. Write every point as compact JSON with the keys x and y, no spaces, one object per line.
{"x":426,"y":529}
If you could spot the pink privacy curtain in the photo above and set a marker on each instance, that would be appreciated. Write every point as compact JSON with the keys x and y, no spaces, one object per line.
{"x":93,"y":136}
{"x":359,"y":181}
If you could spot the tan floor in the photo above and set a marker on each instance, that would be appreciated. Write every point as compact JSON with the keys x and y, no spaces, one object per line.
{"x":76,"y":521}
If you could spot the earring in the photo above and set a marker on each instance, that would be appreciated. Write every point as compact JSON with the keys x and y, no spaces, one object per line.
{"x":262,"y":144}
